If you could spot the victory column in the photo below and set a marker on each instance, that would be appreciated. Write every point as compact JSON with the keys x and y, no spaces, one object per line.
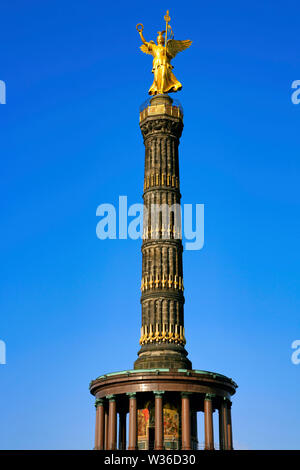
{"x":162,"y":394}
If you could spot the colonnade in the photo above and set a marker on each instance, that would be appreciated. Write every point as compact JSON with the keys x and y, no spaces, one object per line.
{"x":106,"y":422}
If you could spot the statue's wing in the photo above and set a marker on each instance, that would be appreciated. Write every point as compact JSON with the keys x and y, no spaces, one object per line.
{"x":174,"y":46}
{"x":147,"y":49}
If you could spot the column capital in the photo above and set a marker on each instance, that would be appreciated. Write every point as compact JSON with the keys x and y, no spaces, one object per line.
{"x":186,"y":394}
{"x":227,"y":402}
{"x":158,"y":393}
{"x":131,"y":395}
{"x":111,"y":397}
{"x":98,"y":402}
{"x":210,"y":396}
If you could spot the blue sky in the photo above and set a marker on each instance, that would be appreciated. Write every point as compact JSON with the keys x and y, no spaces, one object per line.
{"x":70,"y":141}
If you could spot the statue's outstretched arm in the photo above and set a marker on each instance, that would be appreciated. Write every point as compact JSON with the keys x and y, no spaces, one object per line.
{"x":142,"y":38}
{"x":146,"y":47}
{"x":140,"y":29}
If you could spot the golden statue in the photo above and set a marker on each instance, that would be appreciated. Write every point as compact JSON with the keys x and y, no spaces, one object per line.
{"x":163,"y":52}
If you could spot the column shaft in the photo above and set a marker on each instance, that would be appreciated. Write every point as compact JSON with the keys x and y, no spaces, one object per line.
{"x":122,"y":430}
{"x":132,"y":445}
{"x":105,"y":429}
{"x":162,"y":244}
{"x":96,"y":447}
{"x":223,"y":425}
{"x":229,"y":428}
{"x":159,"y":423}
{"x":99,"y":432}
{"x":208,"y":425}
{"x":186,"y":422}
{"x":221,"y":430}
{"x":112,"y":424}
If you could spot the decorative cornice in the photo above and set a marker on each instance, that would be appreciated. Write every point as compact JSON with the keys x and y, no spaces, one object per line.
{"x":165,"y":108}
{"x":169,"y":380}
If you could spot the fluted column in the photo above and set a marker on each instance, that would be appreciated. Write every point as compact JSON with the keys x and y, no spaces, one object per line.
{"x":122,"y":430}
{"x":186,"y":421}
{"x":159,"y":421}
{"x":112,"y":422}
{"x":208,"y":422}
{"x":99,"y":431}
{"x":162,"y":299}
{"x":132,"y":444}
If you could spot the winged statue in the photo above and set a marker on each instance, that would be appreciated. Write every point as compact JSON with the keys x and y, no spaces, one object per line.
{"x":163,"y":52}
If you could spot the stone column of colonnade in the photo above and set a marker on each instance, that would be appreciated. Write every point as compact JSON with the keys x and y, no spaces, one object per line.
{"x":229,"y":426}
{"x":225,"y":425}
{"x":99,"y":431}
{"x":112,"y":422}
{"x":186,"y":421}
{"x":162,"y":334}
{"x":122,"y":430}
{"x":132,"y":444}
{"x":159,"y":421}
{"x":208,"y":422}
